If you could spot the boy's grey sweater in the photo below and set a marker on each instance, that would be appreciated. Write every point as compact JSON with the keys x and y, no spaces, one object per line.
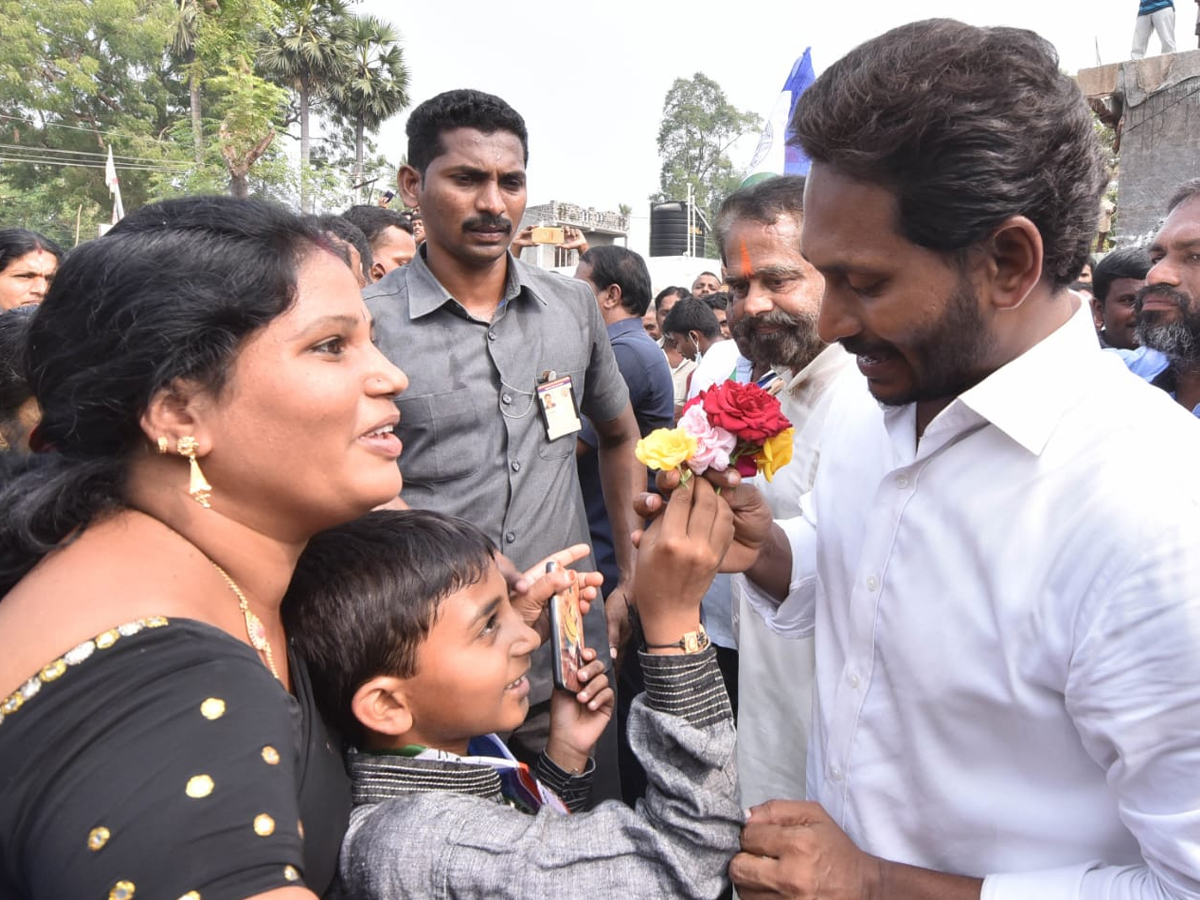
{"x":439,"y":833}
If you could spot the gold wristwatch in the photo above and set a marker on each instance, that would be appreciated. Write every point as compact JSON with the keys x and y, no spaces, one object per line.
{"x":691,"y":642}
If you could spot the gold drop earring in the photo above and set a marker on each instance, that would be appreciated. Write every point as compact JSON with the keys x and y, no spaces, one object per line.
{"x":198,"y":486}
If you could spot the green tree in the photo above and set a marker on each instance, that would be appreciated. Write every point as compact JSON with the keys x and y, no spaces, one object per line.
{"x":77,"y":76}
{"x":375,"y":86}
{"x":699,"y":125}
{"x":308,"y":53}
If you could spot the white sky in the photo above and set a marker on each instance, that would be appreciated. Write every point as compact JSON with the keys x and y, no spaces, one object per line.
{"x":593,"y":98}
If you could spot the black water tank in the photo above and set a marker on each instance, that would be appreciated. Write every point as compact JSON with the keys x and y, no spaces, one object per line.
{"x":669,"y":230}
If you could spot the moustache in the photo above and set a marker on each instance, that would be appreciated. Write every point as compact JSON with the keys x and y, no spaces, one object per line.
{"x":860,"y":347}
{"x":488,"y":223}
{"x":1160,"y":290}
{"x":749,"y":326}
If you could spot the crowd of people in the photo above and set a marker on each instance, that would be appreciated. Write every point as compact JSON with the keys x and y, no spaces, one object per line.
{"x":284,"y":499}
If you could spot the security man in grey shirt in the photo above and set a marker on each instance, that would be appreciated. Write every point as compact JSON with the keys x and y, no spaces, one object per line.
{"x":502,"y":358}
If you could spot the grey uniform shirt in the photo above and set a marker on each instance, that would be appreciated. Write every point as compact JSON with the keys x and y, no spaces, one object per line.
{"x":474,"y":437}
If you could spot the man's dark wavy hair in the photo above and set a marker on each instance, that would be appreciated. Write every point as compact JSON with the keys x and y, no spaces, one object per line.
{"x":966,"y":126}
{"x":458,"y":109}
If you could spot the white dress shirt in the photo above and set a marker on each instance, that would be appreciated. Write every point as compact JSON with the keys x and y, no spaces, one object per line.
{"x":1007,"y":620}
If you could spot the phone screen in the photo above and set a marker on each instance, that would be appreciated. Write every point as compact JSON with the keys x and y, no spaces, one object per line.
{"x":566,"y":635}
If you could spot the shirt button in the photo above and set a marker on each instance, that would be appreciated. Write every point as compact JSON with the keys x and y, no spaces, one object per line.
{"x":872,"y":583}
{"x":854,"y":680}
{"x":506,"y":398}
{"x":835,"y":772}
{"x":516,"y":466}
{"x":510,"y":537}
{"x":902,"y":481}
{"x":491,"y":335}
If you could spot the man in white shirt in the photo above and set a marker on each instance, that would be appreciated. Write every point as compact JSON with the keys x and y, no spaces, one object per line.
{"x":694,"y":328}
{"x":775,"y":294}
{"x":1007,"y":632}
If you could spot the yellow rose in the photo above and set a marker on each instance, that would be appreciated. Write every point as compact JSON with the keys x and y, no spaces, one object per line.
{"x":665,"y":448}
{"x":776,"y":453}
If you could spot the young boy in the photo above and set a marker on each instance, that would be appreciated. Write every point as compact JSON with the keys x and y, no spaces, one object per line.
{"x":416,"y":652}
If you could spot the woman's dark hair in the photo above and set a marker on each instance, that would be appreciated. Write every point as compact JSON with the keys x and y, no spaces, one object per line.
{"x":16,"y":242}
{"x":462,"y":108}
{"x":14,"y":386}
{"x":691,"y":314}
{"x":966,"y":127}
{"x":170,"y":293}
{"x":365,"y":594}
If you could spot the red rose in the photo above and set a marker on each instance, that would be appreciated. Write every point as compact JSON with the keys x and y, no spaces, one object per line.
{"x":746,"y":410}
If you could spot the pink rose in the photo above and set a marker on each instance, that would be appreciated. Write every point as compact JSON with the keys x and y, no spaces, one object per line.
{"x":713,"y":444}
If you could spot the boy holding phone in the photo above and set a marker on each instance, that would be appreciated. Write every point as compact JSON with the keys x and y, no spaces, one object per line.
{"x":405,"y":621}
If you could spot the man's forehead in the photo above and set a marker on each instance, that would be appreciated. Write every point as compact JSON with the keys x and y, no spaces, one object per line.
{"x":472,"y":147}
{"x":752,"y":244}
{"x":1183,"y":223}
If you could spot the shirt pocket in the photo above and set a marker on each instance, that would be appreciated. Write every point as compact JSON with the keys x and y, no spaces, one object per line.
{"x":441,"y":435}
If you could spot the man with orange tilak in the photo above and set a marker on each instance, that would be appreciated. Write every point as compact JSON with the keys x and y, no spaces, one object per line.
{"x":776,"y":294}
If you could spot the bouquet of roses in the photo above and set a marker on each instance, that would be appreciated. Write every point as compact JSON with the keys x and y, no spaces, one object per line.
{"x":730,"y":424}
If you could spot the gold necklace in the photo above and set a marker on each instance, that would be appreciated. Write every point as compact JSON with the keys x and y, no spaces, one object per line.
{"x":255,"y":630}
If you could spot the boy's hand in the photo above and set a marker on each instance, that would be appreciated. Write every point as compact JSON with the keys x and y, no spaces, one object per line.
{"x":752,"y":518}
{"x":577,"y":720}
{"x":678,"y":556}
{"x":530,"y":591}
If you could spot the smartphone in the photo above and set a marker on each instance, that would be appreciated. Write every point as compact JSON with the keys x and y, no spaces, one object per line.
{"x":566,"y":635}
{"x":388,"y":195}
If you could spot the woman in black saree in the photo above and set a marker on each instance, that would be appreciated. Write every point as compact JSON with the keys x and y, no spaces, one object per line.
{"x":210,"y":399}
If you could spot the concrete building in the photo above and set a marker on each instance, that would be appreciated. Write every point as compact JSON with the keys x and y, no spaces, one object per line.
{"x":1153,"y":105}
{"x":598,"y":227}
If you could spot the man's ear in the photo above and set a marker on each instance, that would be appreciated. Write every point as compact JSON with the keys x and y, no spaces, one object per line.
{"x":377,"y":271}
{"x":1013,"y":262}
{"x":611,"y":297}
{"x":1098,"y":312}
{"x":382,"y":705}
{"x":409,"y":182}
{"x":175,"y":411}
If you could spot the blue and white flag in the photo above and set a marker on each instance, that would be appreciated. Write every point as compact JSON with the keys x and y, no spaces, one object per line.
{"x":774,"y":156}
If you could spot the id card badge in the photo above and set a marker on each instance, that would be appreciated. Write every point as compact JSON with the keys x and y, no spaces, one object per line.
{"x":556,"y":397}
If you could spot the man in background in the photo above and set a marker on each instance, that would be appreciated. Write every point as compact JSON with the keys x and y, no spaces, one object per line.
{"x":390,"y":235}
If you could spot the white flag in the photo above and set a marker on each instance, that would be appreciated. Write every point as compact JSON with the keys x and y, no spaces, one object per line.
{"x":114,"y":187}
{"x":774,"y":155}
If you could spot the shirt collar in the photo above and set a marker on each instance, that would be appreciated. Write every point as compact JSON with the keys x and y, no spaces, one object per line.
{"x":1027,"y":397}
{"x":426,"y":294}
{"x":829,"y":361}
{"x":376,"y":777}
{"x":625,"y":326}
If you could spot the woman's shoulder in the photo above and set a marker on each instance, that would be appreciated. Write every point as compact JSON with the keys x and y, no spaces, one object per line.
{"x":141,"y":652}
{"x":161,"y":746}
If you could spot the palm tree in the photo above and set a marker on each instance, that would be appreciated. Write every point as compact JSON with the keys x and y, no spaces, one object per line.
{"x":375,"y":87}
{"x":185,"y":29}
{"x":308,"y":54}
